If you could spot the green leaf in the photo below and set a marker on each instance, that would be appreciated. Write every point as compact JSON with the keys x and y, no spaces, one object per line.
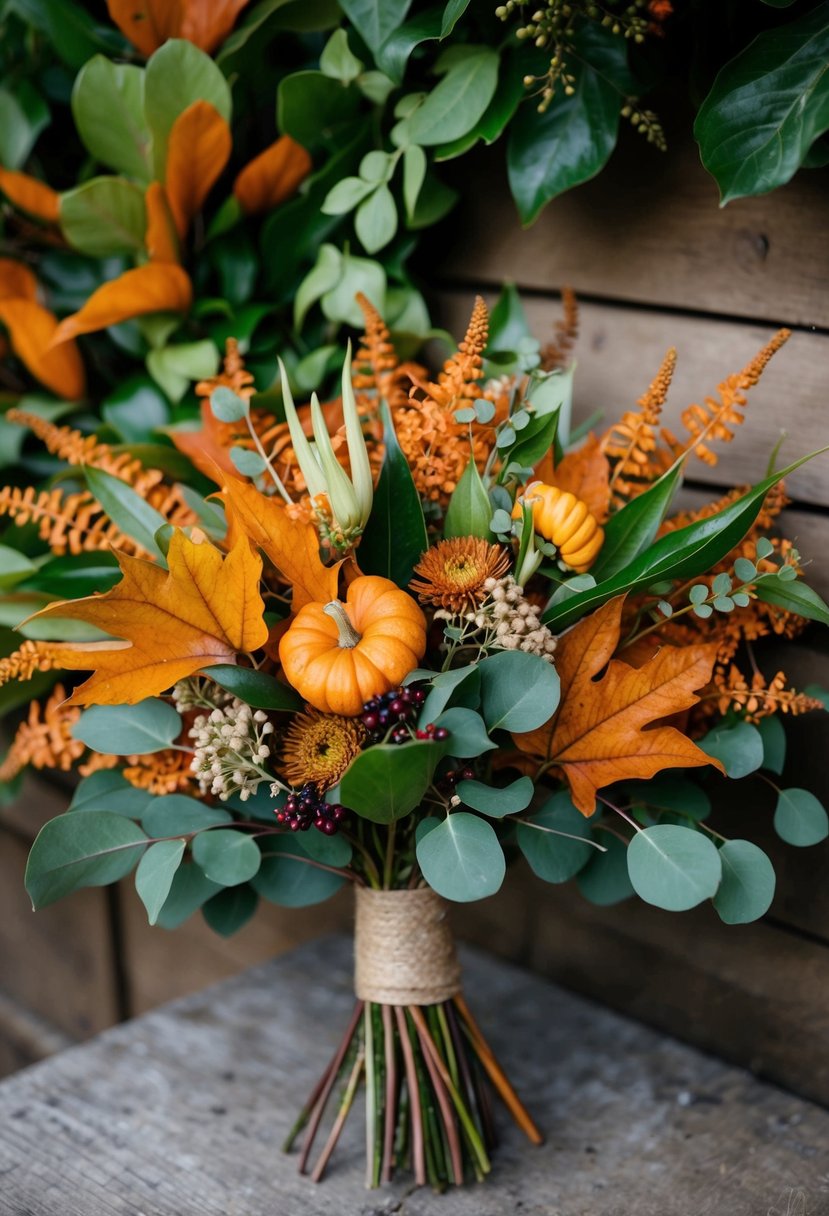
{"x":129,"y":730}
{"x":174,"y":367}
{"x":605,"y":881}
{"x":452,"y":14}
{"x":460,"y":686}
{"x":312,"y":108}
{"x":748,"y":882}
{"x":376,"y":219}
{"x":467,"y":733}
{"x":667,"y":793}
{"x":177,"y":75}
{"x":456,"y":104}
{"x":19,"y":129}
{"x":103,"y":216}
{"x":414,"y":173}
{"x":495,"y":802}
{"x":178,"y":815}
{"x":682,"y":554}
{"x":552,"y":152}
{"x":767,"y":107}
{"x":375,"y":20}
{"x":395,"y":537}
{"x":74,"y":34}
{"x":250,"y":464}
{"x":519,"y":691}
{"x":286,"y":876}
{"x":188,"y":891}
{"x":508,"y":324}
{"x":462,"y":858}
{"x":469,"y":509}
{"x":337,"y":59}
{"x":631,"y":531}
{"x":739,"y":748}
{"x":673,"y":867}
{"x":794,"y":596}
{"x":108,"y":108}
{"x":389,"y":780}
{"x":14,"y":567}
{"x":556,"y":839}
{"x":107,"y":790}
{"x":136,"y":409}
{"x":255,"y":688}
{"x":230,"y":910}
{"x":393,"y":55}
{"x":799,"y":818}
{"x":155,"y":874}
{"x":773,"y":734}
{"x":73,"y":851}
{"x":226,"y":857}
{"x":127,"y":509}
{"x":346,"y":194}
{"x":356,"y":275}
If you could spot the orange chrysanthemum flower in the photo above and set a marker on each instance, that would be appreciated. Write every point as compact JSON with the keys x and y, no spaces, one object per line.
{"x":319,"y":747}
{"x":453,"y":572}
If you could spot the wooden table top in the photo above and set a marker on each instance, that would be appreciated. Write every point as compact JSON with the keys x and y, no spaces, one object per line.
{"x":182,"y":1112}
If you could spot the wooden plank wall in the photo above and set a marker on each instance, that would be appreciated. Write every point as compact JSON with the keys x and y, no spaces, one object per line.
{"x":655,"y":264}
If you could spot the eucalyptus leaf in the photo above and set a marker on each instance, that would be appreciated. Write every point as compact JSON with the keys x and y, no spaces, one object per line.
{"x":799,"y":818}
{"x":519,"y":691}
{"x":458,"y":686}
{"x":605,"y":881}
{"x":155,"y":874}
{"x":108,"y":790}
{"x":467,"y":733}
{"x":228,"y":911}
{"x":288,"y":877}
{"x":748,"y":882}
{"x":462,"y":858}
{"x":673,"y":867}
{"x":180,"y":815}
{"x":188,"y":892}
{"x":494,"y":801}
{"x":73,"y":851}
{"x":555,"y":839}
{"x":129,"y":730}
{"x":739,"y":748}
{"x":773,"y":735}
{"x":375,"y":221}
{"x":226,"y":856}
{"x":389,"y":780}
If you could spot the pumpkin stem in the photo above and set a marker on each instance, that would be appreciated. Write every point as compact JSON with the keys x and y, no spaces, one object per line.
{"x":348,"y":635}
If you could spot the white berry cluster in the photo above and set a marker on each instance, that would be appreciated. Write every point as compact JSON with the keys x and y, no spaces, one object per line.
{"x":511,"y":622}
{"x":229,"y":750}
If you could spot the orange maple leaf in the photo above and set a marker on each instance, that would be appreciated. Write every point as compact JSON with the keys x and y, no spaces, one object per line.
{"x":32,"y":330}
{"x":156,"y":287}
{"x":291,"y":544}
{"x":584,"y":473}
{"x":197,"y":151}
{"x":597,"y":735}
{"x":272,"y":176}
{"x":205,"y":609}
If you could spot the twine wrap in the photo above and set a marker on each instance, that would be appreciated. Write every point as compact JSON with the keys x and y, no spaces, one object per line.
{"x":404,"y":952}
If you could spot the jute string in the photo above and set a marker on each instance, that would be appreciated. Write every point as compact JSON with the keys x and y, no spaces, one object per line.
{"x":404,"y":952}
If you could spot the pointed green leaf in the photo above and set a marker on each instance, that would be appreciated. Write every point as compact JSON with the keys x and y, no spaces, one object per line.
{"x":469,"y":510}
{"x":155,"y":874}
{"x":395,"y":536}
{"x":73,"y":851}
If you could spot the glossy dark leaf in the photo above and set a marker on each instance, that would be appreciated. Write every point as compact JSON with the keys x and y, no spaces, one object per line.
{"x":395,"y":537}
{"x":630,"y":531}
{"x":255,"y":688}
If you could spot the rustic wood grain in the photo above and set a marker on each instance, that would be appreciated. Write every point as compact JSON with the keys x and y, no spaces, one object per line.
{"x":25,"y":1037}
{"x":620,"y":350}
{"x":181,"y":1113}
{"x":648,"y":230}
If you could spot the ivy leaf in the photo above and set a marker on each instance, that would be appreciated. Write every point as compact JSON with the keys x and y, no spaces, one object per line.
{"x":462,"y":858}
{"x":767,"y":107}
{"x":673,"y":867}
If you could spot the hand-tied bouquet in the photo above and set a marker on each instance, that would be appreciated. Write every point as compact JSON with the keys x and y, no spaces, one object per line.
{"x":415,"y":629}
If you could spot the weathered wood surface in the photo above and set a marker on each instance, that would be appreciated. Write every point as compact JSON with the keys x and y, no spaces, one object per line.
{"x":620,"y":350}
{"x":181,"y":1113}
{"x":648,"y":230}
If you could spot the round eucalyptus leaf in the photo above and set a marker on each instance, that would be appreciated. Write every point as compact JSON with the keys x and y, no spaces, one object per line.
{"x":129,"y":730}
{"x":230,"y":910}
{"x":605,"y":880}
{"x":748,"y":881}
{"x":462,"y":858}
{"x":494,"y":801}
{"x":738,"y":748}
{"x":799,"y":818}
{"x":155,"y":874}
{"x":556,"y":839}
{"x":226,"y":856}
{"x":673,"y":867}
{"x":73,"y":851}
{"x":519,"y":691}
{"x":178,"y":815}
{"x":467,"y":733}
{"x":288,"y":878}
{"x":188,"y":891}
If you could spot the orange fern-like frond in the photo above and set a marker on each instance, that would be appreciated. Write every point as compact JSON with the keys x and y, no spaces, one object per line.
{"x":715,"y":419}
{"x":632,"y":444}
{"x":23,"y":663}
{"x":760,"y":699}
{"x":44,"y":739}
{"x":558,"y":353}
{"x":165,"y":772}
{"x":234,"y":375}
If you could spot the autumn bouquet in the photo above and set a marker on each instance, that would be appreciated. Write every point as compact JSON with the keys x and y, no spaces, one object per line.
{"x":404,"y":637}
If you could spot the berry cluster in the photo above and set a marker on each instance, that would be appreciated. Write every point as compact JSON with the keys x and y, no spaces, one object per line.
{"x":395,"y":711}
{"x":307,"y":809}
{"x":449,"y":780}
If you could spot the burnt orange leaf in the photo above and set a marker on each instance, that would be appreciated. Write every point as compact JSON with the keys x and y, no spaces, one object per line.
{"x":32,"y":329}
{"x":157,"y":287}
{"x":160,"y":239}
{"x":291,"y":544}
{"x":16,"y":281}
{"x":208,"y":22}
{"x":597,"y":735}
{"x":272,"y":176}
{"x":30,"y":194}
{"x":197,"y":151}
{"x":584,"y":473}
{"x":208,"y":447}
{"x":148,"y":23}
{"x":204,"y":610}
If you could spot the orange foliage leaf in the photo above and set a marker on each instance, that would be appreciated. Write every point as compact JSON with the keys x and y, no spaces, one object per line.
{"x":160,"y":238}
{"x":198,"y":150}
{"x":291,"y":544}
{"x":272,"y":176}
{"x":16,"y":281}
{"x":584,"y":473}
{"x":32,"y":330}
{"x":157,"y":287}
{"x":207,"y":447}
{"x":204,"y":610}
{"x":30,"y":194}
{"x":149,"y":23}
{"x":597,"y":735}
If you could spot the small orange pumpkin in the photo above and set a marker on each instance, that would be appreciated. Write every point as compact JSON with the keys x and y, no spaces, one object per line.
{"x":564,"y":520}
{"x":338,"y":656}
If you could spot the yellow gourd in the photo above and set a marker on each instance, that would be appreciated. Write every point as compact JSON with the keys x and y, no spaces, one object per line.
{"x":566,"y":522}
